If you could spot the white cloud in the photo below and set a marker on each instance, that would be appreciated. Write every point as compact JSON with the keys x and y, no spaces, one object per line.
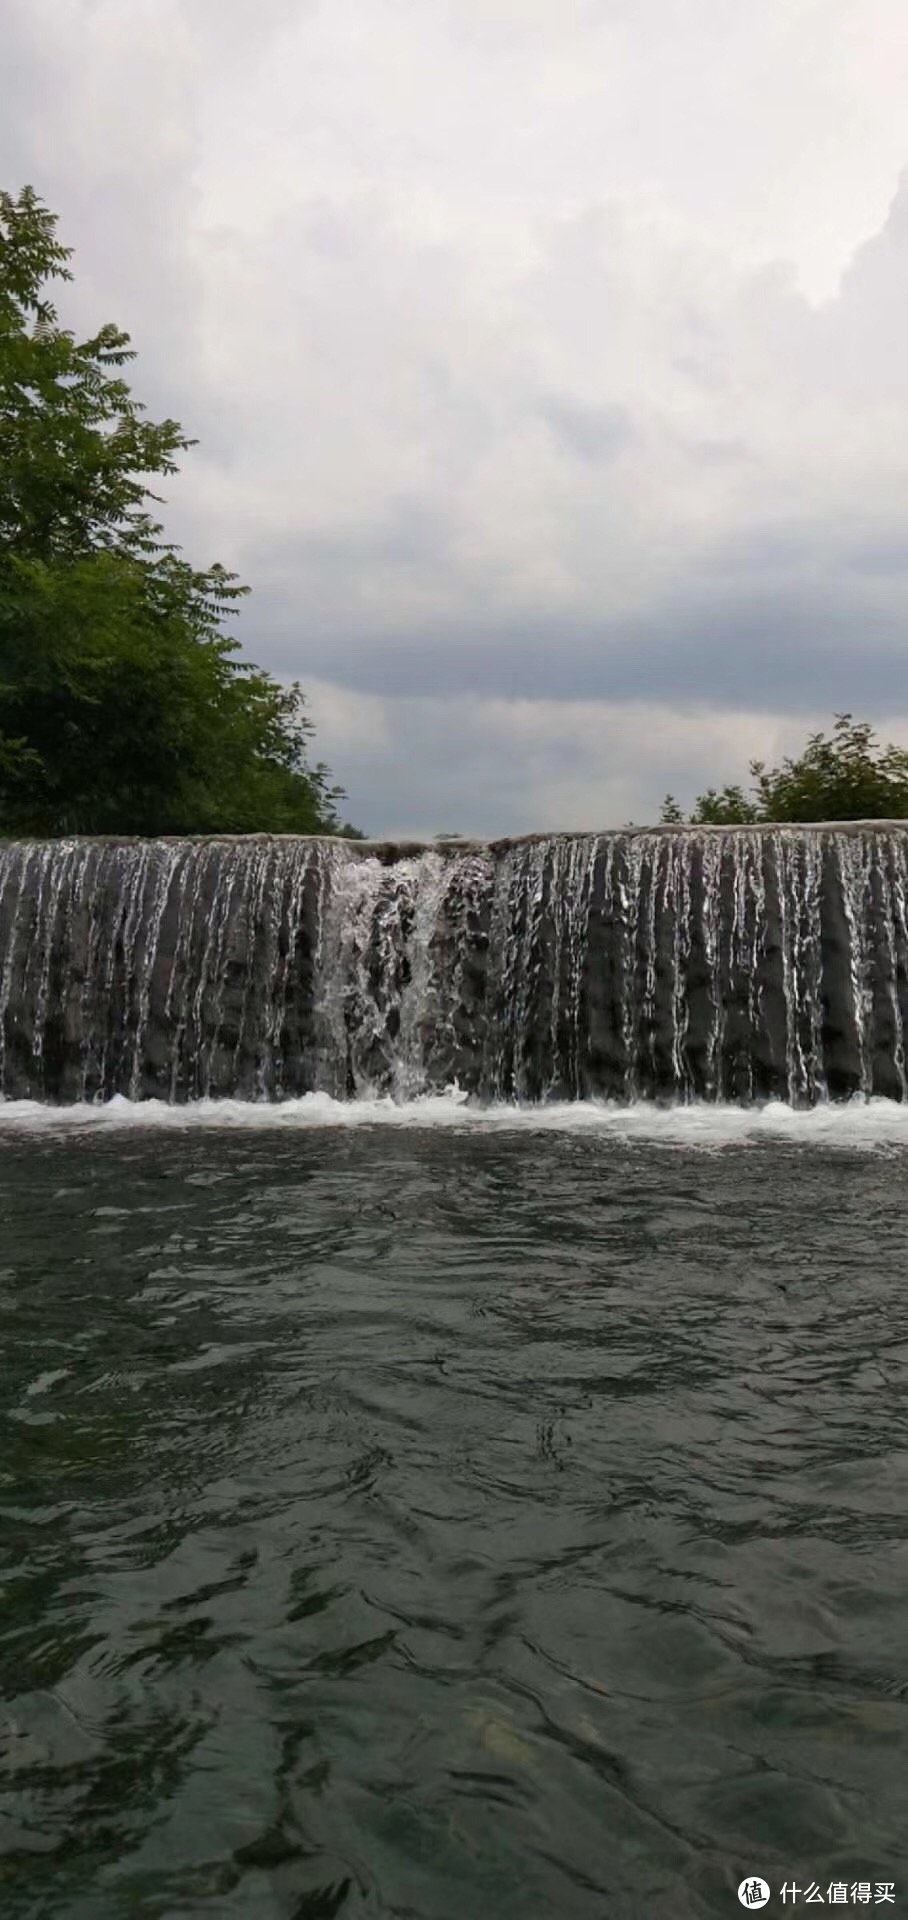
{"x":547,"y":363}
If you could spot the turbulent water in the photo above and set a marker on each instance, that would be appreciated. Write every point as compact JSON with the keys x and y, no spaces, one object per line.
{"x":455,"y":1344}
{"x":712,"y":965}
{"x":467,"y":1517}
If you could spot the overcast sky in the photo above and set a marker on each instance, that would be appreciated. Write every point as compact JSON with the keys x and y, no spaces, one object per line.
{"x":548,"y":360}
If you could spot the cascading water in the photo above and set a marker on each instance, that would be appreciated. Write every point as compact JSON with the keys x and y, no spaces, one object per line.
{"x":678,"y":964}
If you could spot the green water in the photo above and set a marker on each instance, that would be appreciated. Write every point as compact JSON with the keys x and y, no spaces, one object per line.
{"x":445,"y":1525}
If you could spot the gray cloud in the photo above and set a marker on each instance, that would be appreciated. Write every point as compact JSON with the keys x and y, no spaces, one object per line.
{"x":591,"y":432}
{"x":797,"y":645}
{"x":512,"y":398}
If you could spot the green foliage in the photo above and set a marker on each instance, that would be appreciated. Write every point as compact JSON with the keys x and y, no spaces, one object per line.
{"x":844,"y":775}
{"x":722,"y":807}
{"x":123,"y":707}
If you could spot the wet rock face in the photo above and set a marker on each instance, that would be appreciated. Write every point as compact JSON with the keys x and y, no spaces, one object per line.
{"x":713,"y":964}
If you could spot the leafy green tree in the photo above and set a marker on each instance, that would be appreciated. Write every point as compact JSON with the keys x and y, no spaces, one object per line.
{"x":726,"y":806}
{"x":123,"y":705}
{"x":843,"y":775}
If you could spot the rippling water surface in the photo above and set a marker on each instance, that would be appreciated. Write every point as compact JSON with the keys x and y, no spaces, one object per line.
{"x":449,"y":1522}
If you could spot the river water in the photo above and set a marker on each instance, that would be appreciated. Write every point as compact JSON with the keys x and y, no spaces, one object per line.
{"x":415,"y":1513}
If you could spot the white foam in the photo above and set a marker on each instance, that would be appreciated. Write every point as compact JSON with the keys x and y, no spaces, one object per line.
{"x":871,"y":1124}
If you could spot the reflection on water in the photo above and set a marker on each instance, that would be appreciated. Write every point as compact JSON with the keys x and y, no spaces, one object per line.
{"x":446,"y":1523}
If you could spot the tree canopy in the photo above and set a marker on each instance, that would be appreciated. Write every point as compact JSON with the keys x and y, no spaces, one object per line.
{"x":842,"y":775}
{"x":124,"y":707}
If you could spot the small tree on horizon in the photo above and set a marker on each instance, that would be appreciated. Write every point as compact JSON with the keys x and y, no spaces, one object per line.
{"x":843,"y":775}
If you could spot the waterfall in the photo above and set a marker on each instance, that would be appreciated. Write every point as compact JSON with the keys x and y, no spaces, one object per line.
{"x":676,"y":964}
